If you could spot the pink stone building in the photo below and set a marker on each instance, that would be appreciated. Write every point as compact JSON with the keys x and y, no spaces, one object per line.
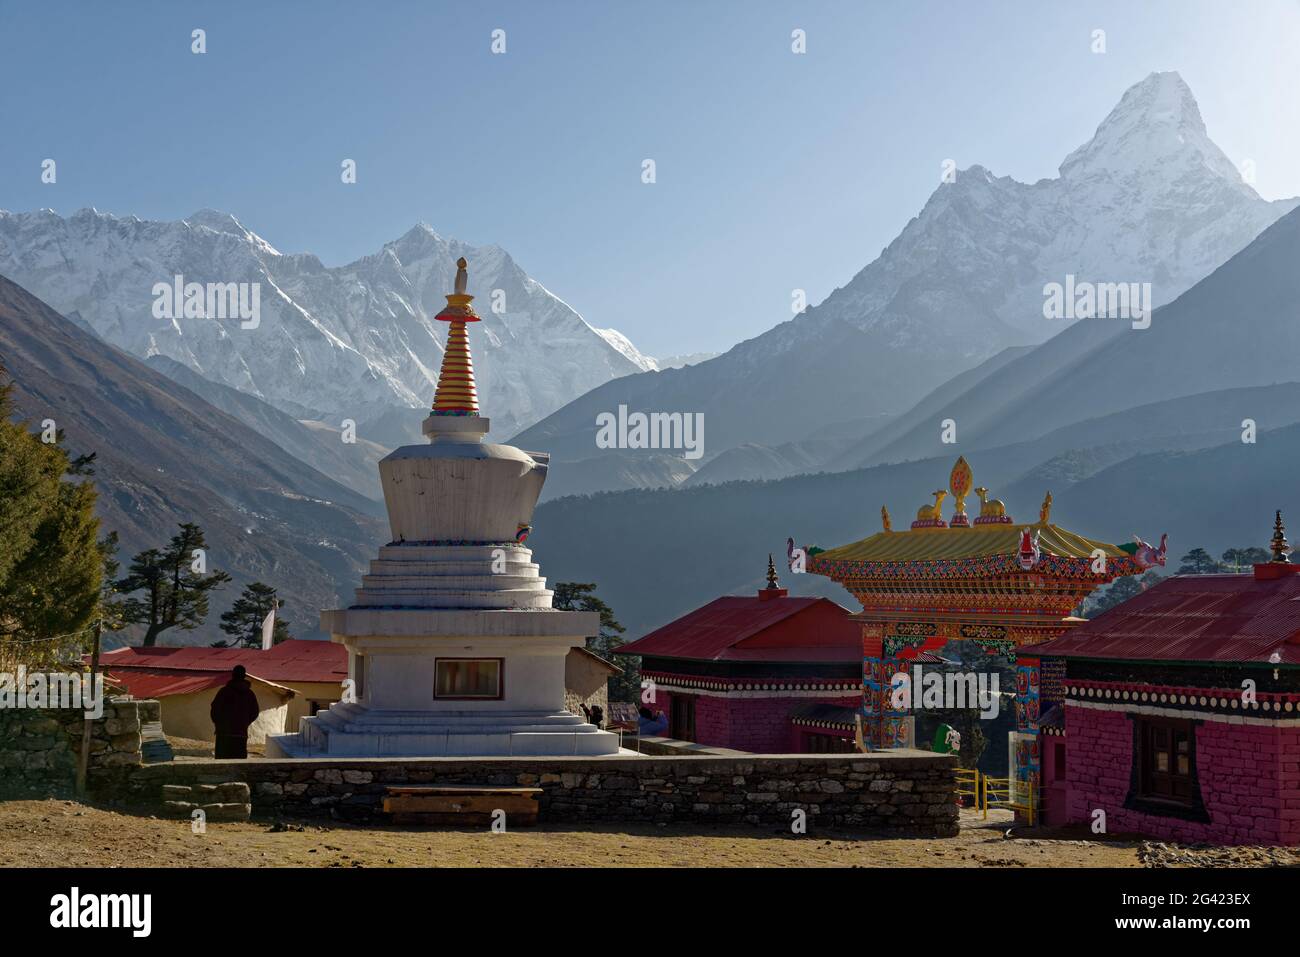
{"x":768,"y":674}
{"x":1177,"y":713}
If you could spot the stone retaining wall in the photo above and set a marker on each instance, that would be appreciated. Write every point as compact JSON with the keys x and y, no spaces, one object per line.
{"x":40,"y":747}
{"x":912,"y":791}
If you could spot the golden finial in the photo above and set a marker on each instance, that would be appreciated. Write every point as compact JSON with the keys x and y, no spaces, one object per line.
{"x":456,"y":394}
{"x":772,"y":583}
{"x":884,"y":519}
{"x":1280,"y":547}
{"x":1045,"y":513}
{"x":458,"y":301}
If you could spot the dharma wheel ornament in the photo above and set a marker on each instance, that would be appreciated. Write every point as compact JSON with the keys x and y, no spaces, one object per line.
{"x":959,"y":483}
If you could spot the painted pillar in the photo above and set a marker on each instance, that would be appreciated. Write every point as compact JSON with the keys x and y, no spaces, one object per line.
{"x":1027,"y":768}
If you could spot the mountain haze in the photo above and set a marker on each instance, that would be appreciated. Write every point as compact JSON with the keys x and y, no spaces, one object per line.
{"x":1234,"y":329}
{"x":1133,"y":431}
{"x":1149,"y":198}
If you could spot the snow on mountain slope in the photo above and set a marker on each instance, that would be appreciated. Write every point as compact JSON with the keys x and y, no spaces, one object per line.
{"x":624,"y":345}
{"x":1149,"y":198}
{"x":351,"y":341}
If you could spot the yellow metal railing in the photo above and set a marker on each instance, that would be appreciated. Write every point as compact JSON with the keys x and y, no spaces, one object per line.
{"x":968,"y":783}
{"x":1002,"y":792}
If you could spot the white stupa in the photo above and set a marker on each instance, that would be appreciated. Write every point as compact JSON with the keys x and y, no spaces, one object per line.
{"x":453,"y":646}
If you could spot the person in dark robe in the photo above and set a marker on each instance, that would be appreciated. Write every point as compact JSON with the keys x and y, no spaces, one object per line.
{"x":594,"y":715}
{"x":233,"y":709}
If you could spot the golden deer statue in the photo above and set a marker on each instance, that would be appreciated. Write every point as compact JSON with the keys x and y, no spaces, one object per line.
{"x":990,"y":509}
{"x":930,"y":513}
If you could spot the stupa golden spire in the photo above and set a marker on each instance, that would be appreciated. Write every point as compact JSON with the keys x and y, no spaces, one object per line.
{"x":455,"y":394}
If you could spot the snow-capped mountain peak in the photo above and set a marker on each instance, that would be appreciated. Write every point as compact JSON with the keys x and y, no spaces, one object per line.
{"x":1156,"y":121}
{"x":624,"y":345}
{"x":354,"y":341}
{"x":1148,"y":199}
{"x":226,"y":223}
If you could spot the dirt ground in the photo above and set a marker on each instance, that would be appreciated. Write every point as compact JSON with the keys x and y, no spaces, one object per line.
{"x":62,"y":833}
{"x":50,"y":833}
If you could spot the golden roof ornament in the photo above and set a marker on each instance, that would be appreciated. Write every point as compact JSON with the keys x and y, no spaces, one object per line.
{"x":959,"y":483}
{"x":1045,"y":513}
{"x":884,"y":519}
{"x":992,"y":510}
{"x":929,"y":516}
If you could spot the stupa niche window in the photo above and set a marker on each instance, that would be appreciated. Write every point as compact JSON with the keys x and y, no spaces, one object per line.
{"x":467,"y":678}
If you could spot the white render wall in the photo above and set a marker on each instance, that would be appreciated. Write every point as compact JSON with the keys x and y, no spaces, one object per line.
{"x":403,"y":680}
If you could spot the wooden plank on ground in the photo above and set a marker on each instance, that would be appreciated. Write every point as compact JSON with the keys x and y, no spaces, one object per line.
{"x":462,"y":789}
{"x":462,"y":806}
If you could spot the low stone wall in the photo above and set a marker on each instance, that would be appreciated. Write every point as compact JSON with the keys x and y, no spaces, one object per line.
{"x":40,"y":747}
{"x":230,"y":801}
{"x":911,"y":791}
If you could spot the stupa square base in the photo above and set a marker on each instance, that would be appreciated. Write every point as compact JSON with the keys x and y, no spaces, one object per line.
{"x":350,"y":730}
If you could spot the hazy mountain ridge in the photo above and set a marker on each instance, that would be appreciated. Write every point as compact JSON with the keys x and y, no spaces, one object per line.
{"x":165,"y":456}
{"x":355,"y":465}
{"x":1123,"y":449}
{"x":1099,"y":367}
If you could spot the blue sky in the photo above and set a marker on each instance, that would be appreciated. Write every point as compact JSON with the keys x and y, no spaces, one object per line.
{"x":775,"y":171}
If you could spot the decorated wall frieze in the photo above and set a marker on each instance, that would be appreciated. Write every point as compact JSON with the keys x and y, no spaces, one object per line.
{"x":982,"y":566}
{"x":1215,"y":700}
{"x":754,"y":687}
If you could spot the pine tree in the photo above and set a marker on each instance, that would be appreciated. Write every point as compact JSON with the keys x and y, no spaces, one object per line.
{"x":244,"y":620}
{"x":29,"y":473}
{"x":1118,"y":592}
{"x":1198,"y":562}
{"x":110,"y":604}
{"x":50,"y":570}
{"x":580,"y":596}
{"x":58,"y":580}
{"x":175,"y":584}
{"x":1241,"y":560}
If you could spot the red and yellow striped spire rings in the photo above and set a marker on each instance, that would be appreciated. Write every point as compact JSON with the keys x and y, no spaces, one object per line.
{"x":455,"y":394}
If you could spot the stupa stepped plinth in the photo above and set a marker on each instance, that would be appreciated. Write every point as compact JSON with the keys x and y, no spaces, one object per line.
{"x":453,"y":646}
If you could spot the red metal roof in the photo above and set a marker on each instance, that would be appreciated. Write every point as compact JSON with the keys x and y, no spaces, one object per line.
{"x":293,"y":660}
{"x":1193,"y":618}
{"x":780,"y":629}
{"x":146,"y":683}
{"x":160,"y":682}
